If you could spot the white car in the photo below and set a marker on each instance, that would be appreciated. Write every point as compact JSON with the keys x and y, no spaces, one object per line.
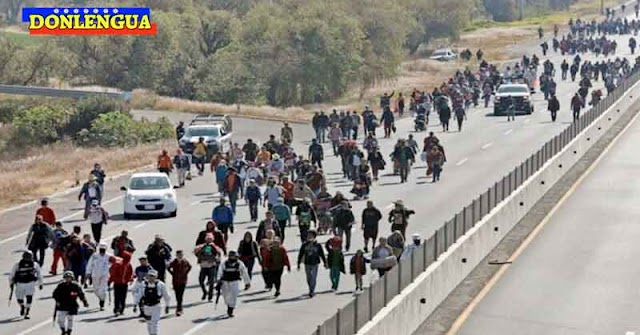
{"x":150,"y":193}
{"x":443,"y":55}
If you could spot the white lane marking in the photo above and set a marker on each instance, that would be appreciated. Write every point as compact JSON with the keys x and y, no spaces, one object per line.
{"x":508,"y":132}
{"x":630,"y":333}
{"x":462,"y":162}
{"x":198,"y":327}
{"x":487,"y":145}
{"x":527,"y":120}
{"x":195,"y":203}
{"x":141,"y":225}
{"x":61,"y":220}
{"x":36,"y":327}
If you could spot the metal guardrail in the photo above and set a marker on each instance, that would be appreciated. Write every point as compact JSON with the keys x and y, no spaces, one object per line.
{"x":60,"y":93}
{"x":365,"y":305}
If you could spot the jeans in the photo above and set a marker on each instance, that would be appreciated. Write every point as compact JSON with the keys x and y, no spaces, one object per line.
{"x":404,"y":172}
{"x":179,"y":290}
{"x":316,"y":161}
{"x":312,"y":275}
{"x":253,"y":209}
{"x":334,"y":274}
{"x":199,"y":162}
{"x":209,"y":274}
{"x":233,"y":200}
{"x":354,"y":132}
{"x":119,"y":297}
{"x":436,"y":172}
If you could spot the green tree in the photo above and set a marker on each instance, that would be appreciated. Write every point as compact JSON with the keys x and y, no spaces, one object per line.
{"x":41,"y":124}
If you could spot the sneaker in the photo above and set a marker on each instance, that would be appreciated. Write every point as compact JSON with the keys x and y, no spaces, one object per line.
{"x":179,"y":313}
{"x":204,"y":296}
{"x":366,"y":250}
{"x":277,"y":294}
{"x":21,"y":310}
{"x":27,"y":317}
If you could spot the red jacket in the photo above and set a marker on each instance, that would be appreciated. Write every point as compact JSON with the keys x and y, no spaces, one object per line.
{"x":179,"y":270}
{"x":48,"y":215}
{"x":121,"y":271}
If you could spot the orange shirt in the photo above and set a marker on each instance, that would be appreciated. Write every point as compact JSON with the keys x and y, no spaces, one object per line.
{"x":164,"y":161}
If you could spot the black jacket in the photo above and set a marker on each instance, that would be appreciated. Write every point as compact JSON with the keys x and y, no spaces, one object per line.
{"x":66,"y":295}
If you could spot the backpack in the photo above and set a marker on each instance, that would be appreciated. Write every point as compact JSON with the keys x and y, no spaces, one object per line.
{"x":280,"y":212}
{"x":305,"y":218}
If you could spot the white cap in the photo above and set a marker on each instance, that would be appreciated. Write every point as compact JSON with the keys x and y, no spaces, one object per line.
{"x":102,"y":246}
{"x":152,"y":273}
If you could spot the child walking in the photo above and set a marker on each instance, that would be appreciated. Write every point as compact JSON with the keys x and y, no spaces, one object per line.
{"x":335,"y":261}
{"x":358,"y":268}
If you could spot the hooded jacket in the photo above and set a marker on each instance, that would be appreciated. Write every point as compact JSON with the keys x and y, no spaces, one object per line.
{"x":121,"y":271}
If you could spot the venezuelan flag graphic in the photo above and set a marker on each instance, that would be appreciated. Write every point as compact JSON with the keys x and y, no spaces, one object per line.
{"x":89,"y":21}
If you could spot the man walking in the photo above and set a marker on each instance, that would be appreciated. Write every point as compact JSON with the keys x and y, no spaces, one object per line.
{"x":98,"y":217}
{"x":120,"y":274}
{"x":232,"y":187}
{"x":159,"y":254}
{"x":316,"y":153}
{"x":208,"y":257}
{"x":98,"y":272}
{"x":229,"y":276}
{"x":90,"y":191}
{"x":183,"y":165}
{"x":311,"y":253}
{"x":222,"y":215}
{"x":150,"y":292}
{"x":24,"y":276}
{"x":38,"y":239}
{"x":179,"y":269}
{"x":282,"y":214}
{"x":65,"y":296}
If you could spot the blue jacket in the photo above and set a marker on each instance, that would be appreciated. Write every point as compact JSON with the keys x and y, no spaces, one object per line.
{"x":222,"y":215}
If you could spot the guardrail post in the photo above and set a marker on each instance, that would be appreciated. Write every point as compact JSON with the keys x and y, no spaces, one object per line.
{"x":338,"y":317}
{"x":384,"y":279}
{"x":436,"y":240}
{"x":355,"y":314}
{"x":370,"y":298}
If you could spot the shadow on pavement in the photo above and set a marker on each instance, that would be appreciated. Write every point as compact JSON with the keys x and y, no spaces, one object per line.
{"x":389,"y":184}
{"x":253,"y":293}
{"x":217,"y":318}
{"x":11,"y":320}
{"x":269,"y":297}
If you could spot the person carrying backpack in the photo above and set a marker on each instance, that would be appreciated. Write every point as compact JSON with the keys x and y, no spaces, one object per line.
{"x":98,"y":217}
{"x":282,"y":214}
{"x":253,"y":197}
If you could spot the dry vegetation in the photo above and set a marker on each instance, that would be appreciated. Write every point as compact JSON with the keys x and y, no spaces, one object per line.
{"x":53,"y":168}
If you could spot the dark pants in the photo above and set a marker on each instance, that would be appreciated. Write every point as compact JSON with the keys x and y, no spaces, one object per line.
{"x":554,"y":114}
{"x":119,"y":297}
{"x":165,"y":170}
{"x":224,"y":228}
{"x":209,"y":274}
{"x":316,"y":161}
{"x":96,"y":230}
{"x":436,"y":172}
{"x":38,"y":254}
{"x":276,"y":278}
{"x":266,"y":276}
{"x":233,"y":200}
{"x":179,"y":290}
{"x":249,"y":265}
{"x":576,"y":114}
{"x":283,"y":226}
{"x":199,"y":162}
{"x":253,"y":209}
{"x":404,"y":171}
{"x":445,"y":125}
{"x":304,"y":230}
{"x":460,"y":120}
{"x":354,"y":131}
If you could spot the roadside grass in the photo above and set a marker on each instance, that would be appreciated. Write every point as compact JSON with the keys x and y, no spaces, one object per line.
{"x":583,"y":9}
{"x":52,"y":168}
{"x":143,"y":99}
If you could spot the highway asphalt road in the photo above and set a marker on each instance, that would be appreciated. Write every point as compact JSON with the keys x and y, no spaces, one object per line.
{"x":578,"y":276}
{"x":486,"y":150}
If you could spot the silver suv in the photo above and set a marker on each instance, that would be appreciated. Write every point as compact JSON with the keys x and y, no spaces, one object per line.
{"x":216,"y":131}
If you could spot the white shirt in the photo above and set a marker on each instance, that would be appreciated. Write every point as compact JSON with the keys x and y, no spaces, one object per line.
{"x":92,"y":192}
{"x":98,"y":265}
